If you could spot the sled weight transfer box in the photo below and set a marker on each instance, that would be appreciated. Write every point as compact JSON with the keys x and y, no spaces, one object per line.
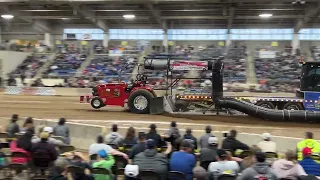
{"x":156,"y":105}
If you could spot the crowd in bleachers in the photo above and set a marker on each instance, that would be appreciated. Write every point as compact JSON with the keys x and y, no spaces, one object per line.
{"x":29,"y":67}
{"x":65,"y":65}
{"x":143,"y":155}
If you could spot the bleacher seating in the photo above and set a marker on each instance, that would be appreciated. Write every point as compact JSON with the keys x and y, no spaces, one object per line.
{"x":65,"y":65}
{"x":30,"y":66}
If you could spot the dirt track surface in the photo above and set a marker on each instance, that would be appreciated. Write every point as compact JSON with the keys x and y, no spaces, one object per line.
{"x":48,"y":107}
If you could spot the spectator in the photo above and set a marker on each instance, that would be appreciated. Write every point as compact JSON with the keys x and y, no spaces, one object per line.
{"x":259,"y":170}
{"x":43,"y":153}
{"x":22,"y":145}
{"x":154,"y":135}
{"x":267,"y":145}
{"x":222,"y":166}
{"x":51,"y":140}
{"x":151,"y":159}
{"x":13,"y":127}
{"x":80,"y":161}
{"x":173,"y":133}
{"x":183,"y":161}
{"x":27,"y":125}
{"x":250,"y":159}
{"x":199,"y":173}
{"x":310,"y":166}
{"x":105,"y":161}
{"x":114,"y":137}
{"x":308,"y":142}
{"x":204,"y":138}
{"x":232,"y":144}
{"x":62,"y":130}
{"x":59,"y":170}
{"x":288,"y":168}
{"x":140,"y":147}
{"x":130,"y":138}
{"x":96,"y":147}
{"x":209,"y":154}
{"x":189,"y":135}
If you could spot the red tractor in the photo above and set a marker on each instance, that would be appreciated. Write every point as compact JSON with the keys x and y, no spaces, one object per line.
{"x":136,"y":95}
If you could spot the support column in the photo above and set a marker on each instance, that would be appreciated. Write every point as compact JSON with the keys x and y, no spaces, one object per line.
{"x":105,"y":40}
{"x":47,"y":39}
{"x":295,"y":43}
{"x":165,"y":41}
{"x":0,"y":34}
{"x":228,"y":40}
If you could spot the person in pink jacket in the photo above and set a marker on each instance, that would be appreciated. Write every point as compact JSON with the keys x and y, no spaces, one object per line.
{"x":23,"y":145}
{"x":288,"y":168}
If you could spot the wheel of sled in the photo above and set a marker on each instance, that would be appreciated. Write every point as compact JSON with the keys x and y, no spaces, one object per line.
{"x":266,"y":104}
{"x":139,"y":101}
{"x":97,"y":103}
{"x":293,"y":106}
{"x":181,"y":106}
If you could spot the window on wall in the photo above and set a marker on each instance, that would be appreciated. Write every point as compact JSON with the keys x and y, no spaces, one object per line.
{"x":261,"y":34}
{"x":309,"y":34}
{"x":197,"y":34}
{"x":136,"y":34}
{"x":96,"y":34}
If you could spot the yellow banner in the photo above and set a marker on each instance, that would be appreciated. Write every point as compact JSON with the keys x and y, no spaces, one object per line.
{"x":83,"y":43}
{"x":221,"y":43}
{"x":171,"y":43}
{"x":58,"y":42}
{"x":124,"y":43}
{"x":274,"y":44}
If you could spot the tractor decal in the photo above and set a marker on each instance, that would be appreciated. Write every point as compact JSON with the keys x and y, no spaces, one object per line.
{"x":116,"y":92}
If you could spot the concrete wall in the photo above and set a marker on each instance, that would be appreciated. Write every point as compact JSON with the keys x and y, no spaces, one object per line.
{"x":11,"y":60}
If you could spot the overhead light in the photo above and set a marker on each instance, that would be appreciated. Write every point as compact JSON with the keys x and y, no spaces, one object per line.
{"x":265,"y":15}
{"x":7,"y":16}
{"x":129,"y":16}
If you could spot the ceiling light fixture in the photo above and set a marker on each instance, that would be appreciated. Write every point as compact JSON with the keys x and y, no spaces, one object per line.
{"x":7,"y":16}
{"x":265,"y":15}
{"x":129,"y":16}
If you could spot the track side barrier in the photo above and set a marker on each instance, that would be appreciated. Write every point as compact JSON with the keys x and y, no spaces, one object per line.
{"x":40,"y":91}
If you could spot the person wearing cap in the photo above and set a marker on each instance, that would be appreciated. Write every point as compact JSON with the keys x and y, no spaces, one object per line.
{"x":222,"y":166}
{"x":209,"y":154}
{"x":308,"y":142}
{"x":51,"y":140}
{"x":78,"y":159}
{"x":204,"y":138}
{"x":183,"y":161}
{"x":43,"y":147}
{"x":140,"y":147}
{"x":260,"y":170}
{"x":105,"y":161}
{"x":154,"y":135}
{"x":309,"y":165}
{"x":189,"y":135}
{"x":13,"y":127}
{"x":62,"y":130}
{"x":114,"y":137}
{"x":151,"y":159}
{"x":288,"y":168}
{"x":231,"y":143}
{"x":267,"y":145}
{"x":100,"y":145}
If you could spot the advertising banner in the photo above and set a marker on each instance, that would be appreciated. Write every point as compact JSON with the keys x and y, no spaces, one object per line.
{"x":181,"y":65}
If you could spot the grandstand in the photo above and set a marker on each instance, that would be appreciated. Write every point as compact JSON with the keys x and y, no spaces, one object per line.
{"x":62,"y":49}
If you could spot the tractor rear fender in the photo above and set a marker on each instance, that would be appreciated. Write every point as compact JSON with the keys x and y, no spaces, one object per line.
{"x":146,"y":88}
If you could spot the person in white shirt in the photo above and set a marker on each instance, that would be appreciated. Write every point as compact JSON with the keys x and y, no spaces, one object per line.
{"x":222,"y":166}
{"x":267,"y":145}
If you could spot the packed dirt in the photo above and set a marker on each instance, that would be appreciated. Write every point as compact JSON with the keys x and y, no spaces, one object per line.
{"x":54,"y":107}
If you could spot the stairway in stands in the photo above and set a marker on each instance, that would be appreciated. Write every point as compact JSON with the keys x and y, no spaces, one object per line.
{"x":85,"y":64}
{"x":46,"y":65}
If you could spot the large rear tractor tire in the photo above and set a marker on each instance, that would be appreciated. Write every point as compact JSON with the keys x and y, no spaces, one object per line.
{"x":139,"y":101}
{"x":97,"y":103}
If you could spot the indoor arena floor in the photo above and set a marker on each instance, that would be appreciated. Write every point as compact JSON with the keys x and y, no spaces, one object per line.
{"x":54,"y":107}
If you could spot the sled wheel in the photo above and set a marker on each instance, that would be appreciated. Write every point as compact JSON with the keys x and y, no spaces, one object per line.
{"x":139,"y":101}
{"x":97,"y":103}
{"x":266,"y":104}
{"x":293,"y":106}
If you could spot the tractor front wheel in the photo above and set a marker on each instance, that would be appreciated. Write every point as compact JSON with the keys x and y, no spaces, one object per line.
{"x":139,"y":101}
{"x":97,"y":103}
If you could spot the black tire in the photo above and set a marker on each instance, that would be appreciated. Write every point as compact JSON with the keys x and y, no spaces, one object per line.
{"x":95,"y":106}
{"x":266,"y":104}
{"x":141,"y":92}
{"x":293,"y":106}
{"x":181,"y":105}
